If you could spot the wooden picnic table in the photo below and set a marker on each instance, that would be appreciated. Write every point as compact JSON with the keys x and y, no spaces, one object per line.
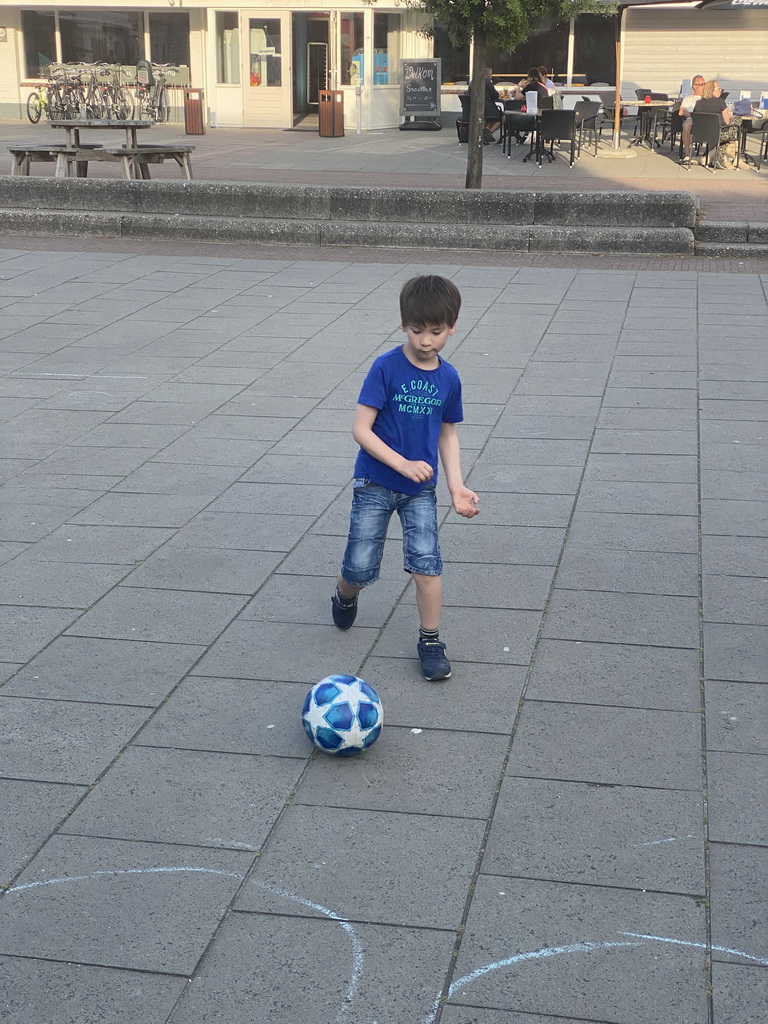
{"x":73,"y":154}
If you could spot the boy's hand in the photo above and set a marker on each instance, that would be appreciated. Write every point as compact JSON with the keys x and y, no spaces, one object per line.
{"x":417,"y":471}
{"x":465,"y":502}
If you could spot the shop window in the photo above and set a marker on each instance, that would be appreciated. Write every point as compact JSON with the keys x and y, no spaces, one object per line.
{"x":548,"y":45}
{"x":265,"y":54}
{"x":386,"y":49}
{"x":227,"y":48}
{"x":352,"y":70}
{"x":112,"y":36}
{"x":595,"y":48}
{"x":39,"y":41}
{"x":169,"y":38}
{"x":454,"y":60}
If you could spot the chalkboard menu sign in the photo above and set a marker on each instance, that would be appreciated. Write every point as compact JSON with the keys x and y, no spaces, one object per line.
{"x":420,"y":87}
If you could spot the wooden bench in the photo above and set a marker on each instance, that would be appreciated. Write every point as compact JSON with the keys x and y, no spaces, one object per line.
{"x":135,"y":162}
{"x":61,"y":155}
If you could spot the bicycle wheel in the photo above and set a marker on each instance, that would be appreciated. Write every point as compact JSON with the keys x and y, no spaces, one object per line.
{"x":34,"y":107}
{"x":163,"y":105}
{"x":123,"y":104}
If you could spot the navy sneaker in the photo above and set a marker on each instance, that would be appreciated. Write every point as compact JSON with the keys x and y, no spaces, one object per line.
{"x":434,"y":663}
{"x":344,"y":613}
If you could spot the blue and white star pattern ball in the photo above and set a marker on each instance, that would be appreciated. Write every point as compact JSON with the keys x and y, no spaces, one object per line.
{"x":342,"y":715}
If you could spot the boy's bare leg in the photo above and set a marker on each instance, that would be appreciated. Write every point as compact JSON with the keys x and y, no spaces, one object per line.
{"x":429,"y":599}
{"x":347,"y":590}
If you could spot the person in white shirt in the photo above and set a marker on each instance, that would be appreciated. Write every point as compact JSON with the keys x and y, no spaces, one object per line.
{"x":689,"y":102}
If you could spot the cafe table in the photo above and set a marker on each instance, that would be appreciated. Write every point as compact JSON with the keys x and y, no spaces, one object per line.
{"x":649,"y":113}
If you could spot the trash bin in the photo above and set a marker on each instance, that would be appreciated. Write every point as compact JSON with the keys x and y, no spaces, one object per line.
{"x":331,"y":109}
{"x":194,"y":123}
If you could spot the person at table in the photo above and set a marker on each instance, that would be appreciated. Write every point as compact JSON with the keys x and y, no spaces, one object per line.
{"x":686,"y":107}
{"x":547,"y":80}
{"x":492,"y":100}
{"x":534,"y":83}
{"x":712,"y":102}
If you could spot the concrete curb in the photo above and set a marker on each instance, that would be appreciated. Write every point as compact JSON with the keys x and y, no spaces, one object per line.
{"x":578,"y":222}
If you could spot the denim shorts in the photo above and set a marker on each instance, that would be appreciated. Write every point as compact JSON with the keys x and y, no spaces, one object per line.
{"x":372,"y":508}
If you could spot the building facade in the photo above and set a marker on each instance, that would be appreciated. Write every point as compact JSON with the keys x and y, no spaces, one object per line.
{"x":264,"y":65}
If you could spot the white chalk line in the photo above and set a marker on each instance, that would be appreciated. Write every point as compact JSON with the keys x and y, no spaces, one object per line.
{"x":357,"y":964}
{"x":357,"y":949}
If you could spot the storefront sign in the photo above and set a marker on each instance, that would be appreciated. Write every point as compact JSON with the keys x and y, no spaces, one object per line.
{"x":420,"y":86}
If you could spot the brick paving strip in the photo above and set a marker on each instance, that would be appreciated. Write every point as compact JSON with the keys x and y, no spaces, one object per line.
{"x":570,"y":830}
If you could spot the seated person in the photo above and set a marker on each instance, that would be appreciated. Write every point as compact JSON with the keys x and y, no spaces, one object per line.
{"x":547,"y":80}
{"x":534,"y":83}
{"x":711,"y":102}
{"x":492,"y":99}
{"x":687,"y":105}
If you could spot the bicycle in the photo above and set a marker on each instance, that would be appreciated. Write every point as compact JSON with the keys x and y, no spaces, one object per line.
{"x":38,"y":103}
{"x":152,"y":98}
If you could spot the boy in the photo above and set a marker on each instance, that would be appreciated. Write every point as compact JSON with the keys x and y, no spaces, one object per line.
{"x":407,"y":413}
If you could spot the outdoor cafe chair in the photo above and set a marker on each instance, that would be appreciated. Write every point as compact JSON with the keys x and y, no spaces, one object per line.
{"x":608,"y":99}
{"x":706,"y":132}
{"x":586,"y":121}
{"x":557,"y":126}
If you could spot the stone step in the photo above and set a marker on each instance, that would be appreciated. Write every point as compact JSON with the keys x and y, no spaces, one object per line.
{"x":515,"y":221}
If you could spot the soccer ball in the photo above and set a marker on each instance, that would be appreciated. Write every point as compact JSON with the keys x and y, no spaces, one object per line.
{"x":342,"y":715}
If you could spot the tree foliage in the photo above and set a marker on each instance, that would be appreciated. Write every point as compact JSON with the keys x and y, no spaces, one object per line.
{"x":506,"y":24}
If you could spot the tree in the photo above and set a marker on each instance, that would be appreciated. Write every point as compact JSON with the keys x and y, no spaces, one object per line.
{"x":508,"y":23}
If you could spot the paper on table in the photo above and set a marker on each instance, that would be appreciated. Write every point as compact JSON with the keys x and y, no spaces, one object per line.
{"x":531,"y":102}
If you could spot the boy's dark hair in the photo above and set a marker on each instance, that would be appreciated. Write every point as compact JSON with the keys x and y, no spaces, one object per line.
{"x":429,"y":301}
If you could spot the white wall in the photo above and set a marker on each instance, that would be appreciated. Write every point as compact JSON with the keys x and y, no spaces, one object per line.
{"x":664,"y":47}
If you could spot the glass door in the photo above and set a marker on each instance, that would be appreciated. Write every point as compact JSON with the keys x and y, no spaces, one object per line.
{"x":266,"y":82}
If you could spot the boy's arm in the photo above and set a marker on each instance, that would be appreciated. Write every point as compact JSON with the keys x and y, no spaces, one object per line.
{"x":464,"y":501}
{"x":362,"y":431}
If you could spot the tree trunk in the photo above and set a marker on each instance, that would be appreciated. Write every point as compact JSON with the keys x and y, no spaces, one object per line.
{"x":476,"y":112}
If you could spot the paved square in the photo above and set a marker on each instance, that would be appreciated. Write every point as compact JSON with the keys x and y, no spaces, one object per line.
{"x":572,"y":828}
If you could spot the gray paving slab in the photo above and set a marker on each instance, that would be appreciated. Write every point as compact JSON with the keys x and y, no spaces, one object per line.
{"x":84,"y":899}
{"x":738,"y":993}
{"x":724,"y":483}
{"x":527,"y":545}
{"x":634,"y":531}
{"x":640,"y":572}
{"x":736,"y":715}
{"x":31,"y":812}
{"x":627,"y":618}
{"x":739,"y":902}
{"x":734,"y":556}
{"x":107,"y":545}
{"x":34,"y":993}
{"x":736,"y":652}
{"x":622,"y":836}
{"x":167,"y":616}
{"x":212,"y":570}
{"x":123,"y":672}
{"x":740,"y":518}
{"x":576,"y":960}
{"x":735,"y":599}
{"x":271,"y":962}
{"x":622,"y":675}
{"x":737,"y":797}
{"x":422,"y":784}
{"x":628,"y":746}
{"x":281,"y":499}
{"x":64,"y":741}
{"x":57,"y":585}
{"x":242,"y":716}
{"x":25,"y":631}
{"x":653,"y":468}
{"x":193,"y":797}
{"x":256,"y":650}
{"x":325,"y":852}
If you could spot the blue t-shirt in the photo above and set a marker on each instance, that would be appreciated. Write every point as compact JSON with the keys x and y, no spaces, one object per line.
{"x":413,"y":404}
